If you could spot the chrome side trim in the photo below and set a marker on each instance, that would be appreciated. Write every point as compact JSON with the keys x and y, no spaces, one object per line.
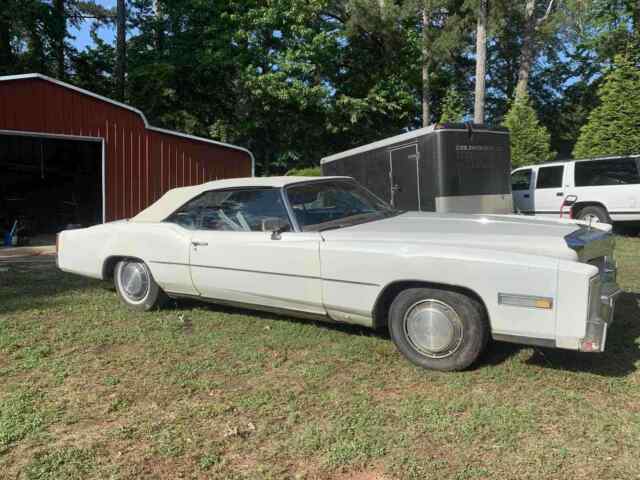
{"x":254,"y":306}
{"x":310,"y":277}
{"x":536,"y":342}
{"x":350,"y":316}
{"x":525,"y":301}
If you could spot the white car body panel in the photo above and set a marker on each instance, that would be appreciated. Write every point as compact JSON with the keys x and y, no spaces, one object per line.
{"x":250,"y":267}
{"x":436,"y":248}
{"x":341,"y":274}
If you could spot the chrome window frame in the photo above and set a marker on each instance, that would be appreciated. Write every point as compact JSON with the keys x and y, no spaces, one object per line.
{"x":292,"y":222}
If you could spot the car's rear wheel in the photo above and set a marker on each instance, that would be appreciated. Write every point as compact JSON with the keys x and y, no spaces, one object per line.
{"x":594,"y":214}
{"x":136,"y":287}
{"x":438,"y":329}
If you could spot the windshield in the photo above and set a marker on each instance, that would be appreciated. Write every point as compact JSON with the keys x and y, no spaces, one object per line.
{"x":335,"y":204}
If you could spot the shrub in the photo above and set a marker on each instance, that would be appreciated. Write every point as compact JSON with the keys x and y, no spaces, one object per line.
{"x":529,"y":139}
{"x":613,"y":127}
{"x":304,"y":172}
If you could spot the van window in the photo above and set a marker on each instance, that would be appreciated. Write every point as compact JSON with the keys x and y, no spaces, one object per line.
{"x":521,"y":180}
{"x":618,"y":171}
{"x":550,"y":177}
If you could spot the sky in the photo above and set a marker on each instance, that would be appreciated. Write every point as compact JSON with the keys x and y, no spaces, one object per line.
{"x":83,"y":38}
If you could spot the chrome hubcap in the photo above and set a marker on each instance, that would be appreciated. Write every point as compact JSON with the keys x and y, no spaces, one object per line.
{"x":134,"y":281}
{"x":433,"y":328}
{"x":590,"y":218}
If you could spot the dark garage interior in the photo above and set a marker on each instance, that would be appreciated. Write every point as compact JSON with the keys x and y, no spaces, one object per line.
{"x":49,"y":183}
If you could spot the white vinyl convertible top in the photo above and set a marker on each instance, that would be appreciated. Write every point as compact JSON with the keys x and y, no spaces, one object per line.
{"x":175,"y":198}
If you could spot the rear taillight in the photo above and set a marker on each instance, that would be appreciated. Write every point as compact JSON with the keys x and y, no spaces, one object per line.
{"x":568,"y":202}
{"x":589,"y":346}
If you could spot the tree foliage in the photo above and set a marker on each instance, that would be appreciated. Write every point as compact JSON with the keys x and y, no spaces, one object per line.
{"x":613,"y":127}
{"x":453,"y":107}
{"x":295,"y":80}
{"x":305,"y":172}
{"x":529,"y":139}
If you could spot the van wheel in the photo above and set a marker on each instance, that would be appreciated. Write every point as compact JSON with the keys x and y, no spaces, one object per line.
{"x":438,"y":329}
{"x":594,"y":214}
{"x":136,"y":287}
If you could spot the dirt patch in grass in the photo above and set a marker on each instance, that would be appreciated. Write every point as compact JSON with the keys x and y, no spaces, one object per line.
{"x":373,"y":473}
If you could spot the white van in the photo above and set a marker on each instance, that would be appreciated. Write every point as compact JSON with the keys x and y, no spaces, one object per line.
{"x":598,"y":189}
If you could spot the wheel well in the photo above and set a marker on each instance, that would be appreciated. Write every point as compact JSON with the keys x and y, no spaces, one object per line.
{"x":575,"y":209}
{"x":110,"y":264}
{"x":391,"y":291}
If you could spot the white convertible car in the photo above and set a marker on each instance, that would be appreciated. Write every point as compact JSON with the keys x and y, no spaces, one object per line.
{"x":328,"y":249}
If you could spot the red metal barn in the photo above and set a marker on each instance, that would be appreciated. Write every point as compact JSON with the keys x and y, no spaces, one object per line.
{"x":68,"y":155}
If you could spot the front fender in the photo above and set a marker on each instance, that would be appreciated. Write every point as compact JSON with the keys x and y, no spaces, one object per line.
{"x":354,"y":276}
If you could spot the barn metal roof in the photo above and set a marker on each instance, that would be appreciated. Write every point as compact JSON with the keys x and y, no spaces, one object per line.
{"x":28,"y":76}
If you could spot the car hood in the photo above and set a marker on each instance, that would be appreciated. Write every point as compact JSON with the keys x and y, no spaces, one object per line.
{"x":507,"y":233}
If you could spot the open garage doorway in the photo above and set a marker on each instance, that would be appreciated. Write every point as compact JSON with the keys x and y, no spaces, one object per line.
{"x":49,"y":183}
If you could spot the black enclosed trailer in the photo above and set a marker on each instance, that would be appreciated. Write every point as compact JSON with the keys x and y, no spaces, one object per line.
{"x":444,"y":168}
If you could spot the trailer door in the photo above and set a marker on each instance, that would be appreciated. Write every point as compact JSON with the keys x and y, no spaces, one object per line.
{"x":405,"y":186}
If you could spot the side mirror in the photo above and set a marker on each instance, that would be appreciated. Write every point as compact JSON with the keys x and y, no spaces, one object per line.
{"x":275,"y":225}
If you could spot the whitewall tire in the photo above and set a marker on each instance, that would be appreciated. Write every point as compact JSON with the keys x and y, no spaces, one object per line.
{"x":136,"y":287}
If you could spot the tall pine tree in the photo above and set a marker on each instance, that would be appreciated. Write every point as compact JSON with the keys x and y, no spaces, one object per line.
{"x":453,"y":108}
{"x":529,"y":139}
{"x":614,"y":125}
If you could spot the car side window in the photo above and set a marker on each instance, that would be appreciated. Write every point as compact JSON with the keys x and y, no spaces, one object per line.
{"x":550,"y":177}
{"x":250,"y":210}
{"x":618,"y":171}
{"x":521,"y":180}
{"x":315,"y":203}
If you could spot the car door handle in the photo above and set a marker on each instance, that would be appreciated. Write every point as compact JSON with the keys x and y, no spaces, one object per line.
{"x":559,"y":194}
{"x":197,"y":243}
{"x":526,"y":195}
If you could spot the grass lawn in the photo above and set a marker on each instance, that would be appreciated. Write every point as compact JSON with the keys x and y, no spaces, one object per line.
{"x":89,"y":389}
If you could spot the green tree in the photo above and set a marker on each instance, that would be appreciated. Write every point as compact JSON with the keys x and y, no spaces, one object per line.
{"x":614,"y":125}
{"x":305,"y":172}
{"x":295,"y":80}
{"x":453,"y":107}
{"x":529,"y":139}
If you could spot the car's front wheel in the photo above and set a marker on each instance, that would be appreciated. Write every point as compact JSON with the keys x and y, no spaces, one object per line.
{"x":438,"y":329}
{"x":136,"y":287}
